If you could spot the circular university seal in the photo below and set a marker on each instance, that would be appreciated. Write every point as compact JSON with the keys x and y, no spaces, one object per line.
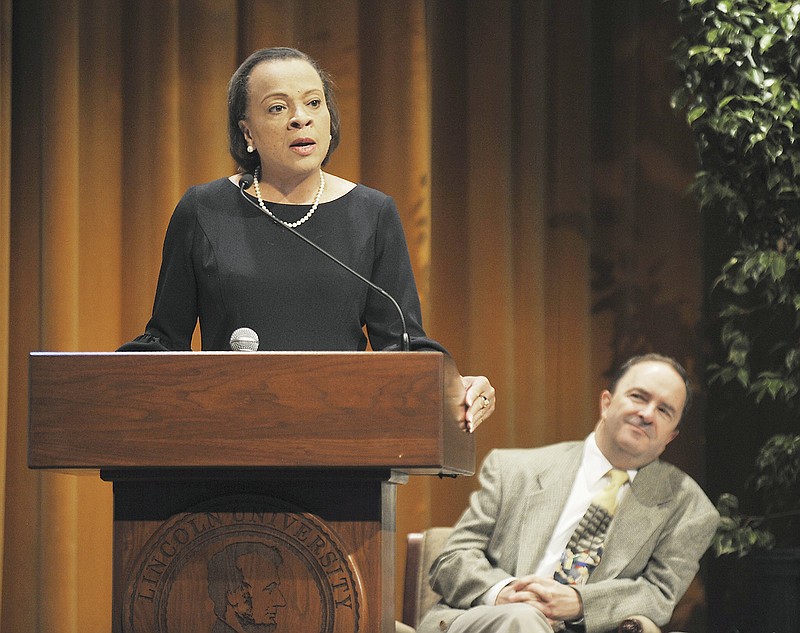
{"x":262,"y":568}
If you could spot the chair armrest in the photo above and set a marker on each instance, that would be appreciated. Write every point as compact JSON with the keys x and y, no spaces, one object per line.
{"x":638,"y":624}
{"x":400,"y":627}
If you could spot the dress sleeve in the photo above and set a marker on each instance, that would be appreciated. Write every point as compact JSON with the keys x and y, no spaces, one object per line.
{"x":175,"y":307}
{"x":391,"y":270}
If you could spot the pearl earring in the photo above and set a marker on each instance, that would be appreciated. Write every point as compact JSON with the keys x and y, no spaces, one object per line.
{"x":251,"y":149}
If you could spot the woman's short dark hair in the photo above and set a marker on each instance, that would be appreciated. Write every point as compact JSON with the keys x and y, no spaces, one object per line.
{"x":238,"y":93}
{"x":658,"y":358}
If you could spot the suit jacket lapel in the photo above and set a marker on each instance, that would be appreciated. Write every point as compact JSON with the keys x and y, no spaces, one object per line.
{"x":638,"y":516}
{"x":544,"y":505}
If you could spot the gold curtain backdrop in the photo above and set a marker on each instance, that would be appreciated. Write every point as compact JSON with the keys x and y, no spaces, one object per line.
{"x":528,"y":143}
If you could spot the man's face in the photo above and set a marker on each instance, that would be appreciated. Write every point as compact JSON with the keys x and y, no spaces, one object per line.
{"x":256,"y":602}
{"x":641,"y":417}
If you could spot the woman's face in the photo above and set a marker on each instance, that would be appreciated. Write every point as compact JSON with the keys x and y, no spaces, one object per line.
{"x":287,"y":119}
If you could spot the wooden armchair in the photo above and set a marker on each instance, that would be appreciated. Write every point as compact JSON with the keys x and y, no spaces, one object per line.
{"x":421,"y":550}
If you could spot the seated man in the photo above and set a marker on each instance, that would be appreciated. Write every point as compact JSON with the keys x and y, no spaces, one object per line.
{"x":537,"y":549}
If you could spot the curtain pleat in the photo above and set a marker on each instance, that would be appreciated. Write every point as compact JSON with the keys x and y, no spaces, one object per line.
{"x":529,"y":173}
{"x":59,"y":182}
{"x":5,"y":252}
{"x":21,"y":553}
{"x":568,"y":248}
{"x":151,"y":169}
{"x":522,"y":194}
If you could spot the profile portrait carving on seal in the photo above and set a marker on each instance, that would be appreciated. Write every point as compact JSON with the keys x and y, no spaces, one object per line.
{"x":245,"y":564}
{"x":244,"y":584}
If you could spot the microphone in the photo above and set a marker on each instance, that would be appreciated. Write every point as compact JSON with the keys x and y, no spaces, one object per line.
{"x":246,"y":180}
{"x":244,"y":340}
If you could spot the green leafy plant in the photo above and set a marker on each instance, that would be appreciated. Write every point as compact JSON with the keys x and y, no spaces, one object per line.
{"x":740,"y":66}
{"x":775,"y":484}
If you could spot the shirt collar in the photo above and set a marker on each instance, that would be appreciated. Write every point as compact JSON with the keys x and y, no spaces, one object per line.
{"x":595,"y":464}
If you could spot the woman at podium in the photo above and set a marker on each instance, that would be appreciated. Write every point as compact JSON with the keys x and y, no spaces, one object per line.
{"x":295,"y":257}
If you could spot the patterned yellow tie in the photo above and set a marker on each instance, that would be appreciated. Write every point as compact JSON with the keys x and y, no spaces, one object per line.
{"x":585,"y":547}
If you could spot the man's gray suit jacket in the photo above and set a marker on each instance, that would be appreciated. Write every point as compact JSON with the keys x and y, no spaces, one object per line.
{"x":652,"y":551}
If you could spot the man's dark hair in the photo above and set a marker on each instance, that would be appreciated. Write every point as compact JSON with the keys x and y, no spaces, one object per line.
{"x":658,"y":358}
{"x":239,"y":91}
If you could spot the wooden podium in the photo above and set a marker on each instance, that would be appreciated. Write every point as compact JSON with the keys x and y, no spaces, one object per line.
{"x":252,"y":491}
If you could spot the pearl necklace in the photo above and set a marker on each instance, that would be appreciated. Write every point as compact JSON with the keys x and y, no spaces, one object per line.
{"x":308,"y":215}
